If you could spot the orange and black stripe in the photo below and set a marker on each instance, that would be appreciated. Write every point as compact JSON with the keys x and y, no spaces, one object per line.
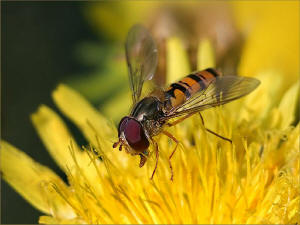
{"x":182,"y":90}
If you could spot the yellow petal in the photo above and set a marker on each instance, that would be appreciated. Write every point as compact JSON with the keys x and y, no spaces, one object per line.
{"x":177,"y":60}
{"x":206,"y":55}
{"x":31,"y":180}
{"x":288,"y":106}
{"x":63,"y":149}
{"x":118,"y":106}
{"x":83,"y":114}
{"x":52,"y":220}
{"x":98,"y":131}
{"x":54,"y":135}
{"x":259,"y":102}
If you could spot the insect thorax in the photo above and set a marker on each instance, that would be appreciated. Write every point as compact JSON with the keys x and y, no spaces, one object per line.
{"x":149,"y":112}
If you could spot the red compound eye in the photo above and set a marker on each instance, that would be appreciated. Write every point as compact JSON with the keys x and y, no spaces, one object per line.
{"x":134,"y":134}
{"x":122,"y":125}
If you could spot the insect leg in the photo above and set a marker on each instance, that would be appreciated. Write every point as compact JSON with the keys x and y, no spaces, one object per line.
{"x":210,"y":131}
{"x":157,"y":156}
{"x":179,"y":120}
{"x":177,"y":142}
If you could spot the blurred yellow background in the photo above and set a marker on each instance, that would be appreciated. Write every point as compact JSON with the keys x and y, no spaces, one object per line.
{"x":248,"y":37}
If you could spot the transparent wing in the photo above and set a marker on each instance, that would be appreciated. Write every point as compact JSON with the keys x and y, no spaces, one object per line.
{"x":141,"y":56}
{"x":220,"y":91}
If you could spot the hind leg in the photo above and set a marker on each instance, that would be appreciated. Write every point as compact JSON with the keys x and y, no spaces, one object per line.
{"x":212,"y":132}
{"x":179,"y":120}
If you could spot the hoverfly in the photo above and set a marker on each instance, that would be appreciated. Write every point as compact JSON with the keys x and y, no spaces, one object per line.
{"x":196,"y":92}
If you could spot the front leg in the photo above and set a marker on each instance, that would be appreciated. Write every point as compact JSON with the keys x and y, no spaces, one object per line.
{"x":157,"y":156}
{"x":177,"y":142}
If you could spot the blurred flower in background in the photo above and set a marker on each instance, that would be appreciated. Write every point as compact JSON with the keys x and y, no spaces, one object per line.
{"x":248,"y":38}
{"x":253,"y":181}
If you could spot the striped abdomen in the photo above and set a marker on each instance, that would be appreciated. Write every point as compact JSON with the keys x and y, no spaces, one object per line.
{"x":182,"y":90}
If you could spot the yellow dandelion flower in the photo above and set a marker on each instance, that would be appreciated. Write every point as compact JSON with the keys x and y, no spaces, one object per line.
{"x":254,"y":180}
